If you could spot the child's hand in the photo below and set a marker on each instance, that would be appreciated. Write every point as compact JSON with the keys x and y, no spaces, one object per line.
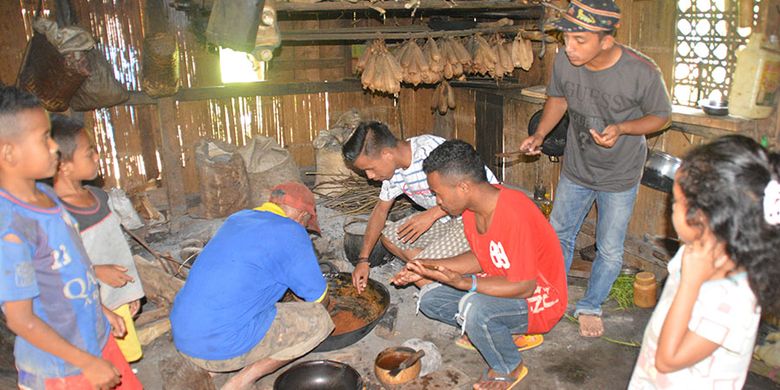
{"x":701,"y":259}
{"x":113,"y":275}
{"x":101,"y":374}
{"x":135,"y":306}
{"x":118,"y":328}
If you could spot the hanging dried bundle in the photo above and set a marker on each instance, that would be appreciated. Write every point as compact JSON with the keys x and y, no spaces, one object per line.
{"x":522,"y":52}
{"x":435,"y":61}
{"x":443,"y":98}
{"x":484,"y":55}
{"x":456,"y":57}
{"x":381,"y":70}
{"x":413,"y":62}
{"x":504,"y":65}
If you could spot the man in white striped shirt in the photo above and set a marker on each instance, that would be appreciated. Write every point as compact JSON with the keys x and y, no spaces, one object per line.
{"x":429,"y":234}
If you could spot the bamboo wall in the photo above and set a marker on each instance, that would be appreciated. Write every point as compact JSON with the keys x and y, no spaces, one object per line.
{"x":127,"y":137}
{"x":293,"y":120}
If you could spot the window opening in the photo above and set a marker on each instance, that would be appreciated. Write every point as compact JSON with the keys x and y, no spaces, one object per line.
{"x":705,"y":53}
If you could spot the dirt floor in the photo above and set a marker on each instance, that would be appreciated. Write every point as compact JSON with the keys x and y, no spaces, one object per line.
{"x":564,"y":361}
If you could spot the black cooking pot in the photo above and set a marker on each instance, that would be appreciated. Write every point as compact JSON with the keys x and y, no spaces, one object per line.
{"x":555,"y":142}
{"x":375,"y":295}
{"x":319,"y":375}
{"x":354,"y":231}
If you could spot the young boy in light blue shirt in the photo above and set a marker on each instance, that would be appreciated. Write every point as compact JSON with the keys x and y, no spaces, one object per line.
{"x":48,"y":290}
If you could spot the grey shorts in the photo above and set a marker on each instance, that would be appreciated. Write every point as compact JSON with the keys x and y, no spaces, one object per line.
{"x":442,"y":240}
{"x":298,"y":328}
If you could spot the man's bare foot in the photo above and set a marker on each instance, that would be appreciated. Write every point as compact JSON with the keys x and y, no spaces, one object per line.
{"x":590,"y":325}
{"x":495,"y":381}
{"x":246,"y":378}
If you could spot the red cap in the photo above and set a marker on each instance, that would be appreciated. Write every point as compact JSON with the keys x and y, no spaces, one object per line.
{"x":298,"y":196}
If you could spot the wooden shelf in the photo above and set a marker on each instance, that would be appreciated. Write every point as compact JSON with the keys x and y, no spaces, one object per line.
{"x":692,"y":120}
{"x":696,"y":117}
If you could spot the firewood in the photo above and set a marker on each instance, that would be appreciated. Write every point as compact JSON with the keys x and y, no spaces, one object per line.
{"x":150,"y":332}
{"x":159,"y":286}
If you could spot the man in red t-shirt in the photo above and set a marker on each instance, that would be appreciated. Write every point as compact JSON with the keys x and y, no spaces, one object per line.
{"x":511,"y":282}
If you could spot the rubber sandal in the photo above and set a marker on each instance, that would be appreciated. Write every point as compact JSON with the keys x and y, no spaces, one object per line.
{"x":505,"y":379}
{"x":523,"y":342}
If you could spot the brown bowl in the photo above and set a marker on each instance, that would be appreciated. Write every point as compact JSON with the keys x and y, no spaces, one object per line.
{"x":391,"y":358}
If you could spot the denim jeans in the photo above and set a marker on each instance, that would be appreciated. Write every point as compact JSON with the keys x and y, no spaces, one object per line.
{"x":488,"y":321}
{"x":570,"y":207}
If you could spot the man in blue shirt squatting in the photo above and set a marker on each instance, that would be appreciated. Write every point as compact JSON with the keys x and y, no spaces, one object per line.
{"x":228,"y":317}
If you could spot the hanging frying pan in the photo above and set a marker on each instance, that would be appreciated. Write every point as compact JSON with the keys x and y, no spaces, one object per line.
{"x":555,"y":142}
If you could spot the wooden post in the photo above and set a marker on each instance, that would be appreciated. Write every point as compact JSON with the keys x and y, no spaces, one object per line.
{"x":12,"y":36}
{"x":444,"y":125}
{"x":170,"y":153}
{"x":147,"y":124}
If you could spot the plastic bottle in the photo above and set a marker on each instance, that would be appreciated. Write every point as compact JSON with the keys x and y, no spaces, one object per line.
{"x":645,"y":290}
{"x":756,"y":78}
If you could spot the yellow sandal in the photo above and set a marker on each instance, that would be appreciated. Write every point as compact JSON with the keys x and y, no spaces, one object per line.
{"x":523,"y":342}
{"x":512,"y":382}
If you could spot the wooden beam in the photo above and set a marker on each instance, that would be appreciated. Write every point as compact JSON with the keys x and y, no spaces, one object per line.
{"x":345,"y":35}
{"x":170,"y":153}
{"x":463,"y":5}
{"x":266,"y":89}
{"x":260,"y":88}
{"x":139,"y":98}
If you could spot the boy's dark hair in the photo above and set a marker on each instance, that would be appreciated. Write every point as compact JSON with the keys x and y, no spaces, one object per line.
{"x":456,"y":158}
{"x":64,"y":131}
{"x":610,"y":33}
{"x":13,"y":101}
{"x":725,"y":181}
{"x":369,"y":138}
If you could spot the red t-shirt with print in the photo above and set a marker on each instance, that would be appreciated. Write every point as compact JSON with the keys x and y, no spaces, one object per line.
{"x":521,"y":245}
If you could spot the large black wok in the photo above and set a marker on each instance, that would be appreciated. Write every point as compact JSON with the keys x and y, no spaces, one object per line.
{"x":319,"y":375}
{"x":370,"y":306}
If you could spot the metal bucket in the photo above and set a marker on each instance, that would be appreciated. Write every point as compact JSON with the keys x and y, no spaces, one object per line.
{"x":354,"y":232}
{"x":659,"y":170}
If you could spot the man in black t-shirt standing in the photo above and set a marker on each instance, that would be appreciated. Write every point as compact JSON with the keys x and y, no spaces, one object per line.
{"x":614,"y":96}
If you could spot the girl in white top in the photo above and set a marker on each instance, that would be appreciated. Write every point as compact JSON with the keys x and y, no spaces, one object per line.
{"x":727,"y":213}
